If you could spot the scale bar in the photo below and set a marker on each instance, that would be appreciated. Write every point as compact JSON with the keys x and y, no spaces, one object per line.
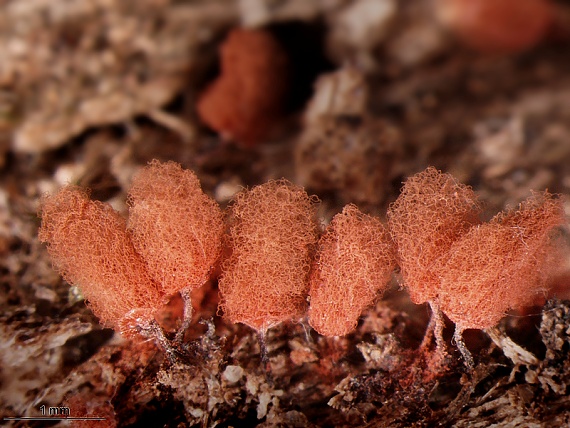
{"x":32,"y":418}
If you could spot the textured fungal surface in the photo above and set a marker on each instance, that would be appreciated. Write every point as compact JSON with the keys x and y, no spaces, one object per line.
{"x":500,"y":265}
{"x":247,"y":99}
{"x":431,"y":213}
{"x":175,"y":226}
{"x":89,"y":246}
{"x":273,"y":231}
{"x":353,"y":265}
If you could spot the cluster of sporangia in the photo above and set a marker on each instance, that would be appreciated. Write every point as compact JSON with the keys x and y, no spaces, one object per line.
{"x":275,"y":261}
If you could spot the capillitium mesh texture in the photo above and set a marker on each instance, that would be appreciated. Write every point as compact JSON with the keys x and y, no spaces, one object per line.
{"x":246,"y":100}
{"x":432,"y":211}
{"x":273,"y":231}
{"x":89,"y":245}
{"x":354,"y":262}
{"x":500,"y":265}
{"x":175,"y":226}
